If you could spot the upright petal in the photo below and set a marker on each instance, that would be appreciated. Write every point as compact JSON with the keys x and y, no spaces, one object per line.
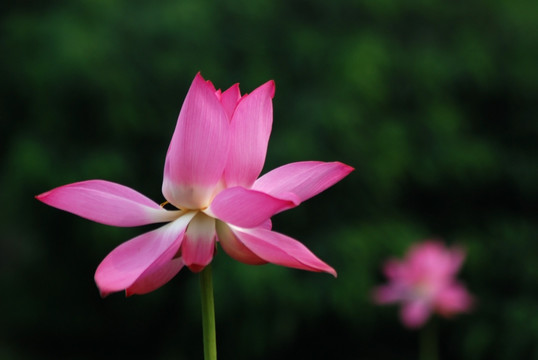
{"x":229,"y":100}
{"x":432,"y":260}
{"x":250,"y":129}
{"x":126,"y":263}
{"x":212,"y":86}
{"x":305,"y":179}
{"x":199,"y":244}
{"x":248,"y":208}
{"x":199,"y":148}
{"x":280,"y":249}
{"x":107,"y":203}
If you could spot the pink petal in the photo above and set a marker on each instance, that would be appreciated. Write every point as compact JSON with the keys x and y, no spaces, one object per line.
{"x":280,"y":249}
{"x":431,"y":260}
{"x":229,"y":100}
{"x":305,"y":179}
{"x":453,"y":299}
{"x":415,"y":313}
{"x":234,"y":248}
{"x":154,"y":277}
{"x":212,"y":87}
{"x":248,"y":208}
{"x":267,"y":224}
{"x":199,"y":244}
{"x":249,"y":131}
{"x":199,"y":148}
{"x":107,"y":203}
{"x":126,"y":263}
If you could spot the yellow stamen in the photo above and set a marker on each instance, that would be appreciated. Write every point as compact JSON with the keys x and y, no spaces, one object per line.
{"x":164,"y":203}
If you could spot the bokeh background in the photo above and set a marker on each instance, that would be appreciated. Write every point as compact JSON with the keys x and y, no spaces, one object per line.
{"x":433,"y":102}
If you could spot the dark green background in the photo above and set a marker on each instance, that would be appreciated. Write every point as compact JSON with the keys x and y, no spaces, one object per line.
{"x":433,"y":102}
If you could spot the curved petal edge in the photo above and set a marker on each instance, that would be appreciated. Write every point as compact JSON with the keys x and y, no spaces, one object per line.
{"x":142,"y":256}
{"x":107,"y":203}
{"x":305,"y":179}
{"x":280,"y":249}
{"x":198,"y":150}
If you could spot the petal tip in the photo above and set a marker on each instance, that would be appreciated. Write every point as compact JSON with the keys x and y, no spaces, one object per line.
{"x":103,"y":294}
{"x":41,"y":197}
{"x":199,"y":79}
{"x":333,"y":273}
{"x":346,"y":167}
{"x":271,"y":84}
{"x":196,"y":268}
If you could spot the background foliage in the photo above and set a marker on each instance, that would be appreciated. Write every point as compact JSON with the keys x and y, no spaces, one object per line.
{"x":433,"y":102}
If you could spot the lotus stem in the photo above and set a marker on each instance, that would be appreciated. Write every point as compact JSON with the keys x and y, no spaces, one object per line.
{"x":208,"y":314}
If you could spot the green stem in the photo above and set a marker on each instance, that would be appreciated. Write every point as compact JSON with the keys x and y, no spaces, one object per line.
{"x":208,"y":314}
{"x":428,"y":342}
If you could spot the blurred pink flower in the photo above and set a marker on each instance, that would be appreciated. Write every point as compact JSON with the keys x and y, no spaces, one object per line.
{"x":424,"y":282}
{"x":210,"y":175}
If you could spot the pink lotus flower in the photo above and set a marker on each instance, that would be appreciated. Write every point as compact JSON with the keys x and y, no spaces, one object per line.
{"x":210,"y":175}
{"x":424,"y":283}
